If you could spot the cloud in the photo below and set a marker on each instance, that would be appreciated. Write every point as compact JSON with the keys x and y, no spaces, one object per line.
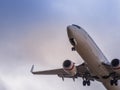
{"x":3,"y":86}
{"x":34,"y":32}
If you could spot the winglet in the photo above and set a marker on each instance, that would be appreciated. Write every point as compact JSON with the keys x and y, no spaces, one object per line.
{"x":32,"y":69}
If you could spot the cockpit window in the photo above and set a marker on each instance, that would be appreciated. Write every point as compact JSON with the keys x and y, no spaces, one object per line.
{"x":76,"y":26}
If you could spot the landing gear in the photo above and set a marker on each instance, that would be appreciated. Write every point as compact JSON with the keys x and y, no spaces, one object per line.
{"x":113,"y":82}
{"x":86,"y":82}
{"x":114,"y":77}
{"x":73,"y":49}
{"x":87,"y":78}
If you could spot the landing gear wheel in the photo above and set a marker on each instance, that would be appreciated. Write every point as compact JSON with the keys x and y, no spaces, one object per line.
{"x":114,"y":82}
{"x":88,"y":83}
{"x":73,"y":48}
{"x":84,"y":83}
{"x":111,"y":82}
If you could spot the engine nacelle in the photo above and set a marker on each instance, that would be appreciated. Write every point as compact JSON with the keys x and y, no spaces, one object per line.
{"x":69,"y":67}
{"x":115,"y":63}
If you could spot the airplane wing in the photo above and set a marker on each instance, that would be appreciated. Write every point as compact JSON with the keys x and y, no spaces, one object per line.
{"x":81,"y":71}
{"x":48,"y":72}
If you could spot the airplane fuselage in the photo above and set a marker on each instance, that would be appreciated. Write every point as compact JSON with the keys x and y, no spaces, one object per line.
{"x":91,"y":54}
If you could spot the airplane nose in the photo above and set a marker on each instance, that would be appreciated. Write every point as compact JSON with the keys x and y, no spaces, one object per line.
{"x":69,"y":29}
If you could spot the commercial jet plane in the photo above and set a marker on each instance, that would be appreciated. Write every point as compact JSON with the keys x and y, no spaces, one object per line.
{"x":95,"y":66}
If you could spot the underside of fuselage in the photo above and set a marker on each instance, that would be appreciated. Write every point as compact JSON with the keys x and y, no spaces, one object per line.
{"x":90,"y":53}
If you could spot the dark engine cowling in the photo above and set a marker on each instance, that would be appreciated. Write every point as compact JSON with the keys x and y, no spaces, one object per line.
{"x":115,"y":63}
{"x":69,"y":67}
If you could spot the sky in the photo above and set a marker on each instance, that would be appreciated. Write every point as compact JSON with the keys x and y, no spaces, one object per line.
{"x":34,"y":32}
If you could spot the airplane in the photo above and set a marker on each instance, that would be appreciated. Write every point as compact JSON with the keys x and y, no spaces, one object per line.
{"x":95,"y":67}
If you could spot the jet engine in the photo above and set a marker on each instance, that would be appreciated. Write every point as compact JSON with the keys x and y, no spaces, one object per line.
{"x":115,"y":63}
{"x":69,"y":67}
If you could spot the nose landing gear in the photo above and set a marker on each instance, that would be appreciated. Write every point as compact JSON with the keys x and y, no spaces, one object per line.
{"x":73,"y":49}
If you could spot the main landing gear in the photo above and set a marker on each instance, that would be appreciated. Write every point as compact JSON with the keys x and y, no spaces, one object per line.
{"x":113,"y":82}
{"x":86,"y":82}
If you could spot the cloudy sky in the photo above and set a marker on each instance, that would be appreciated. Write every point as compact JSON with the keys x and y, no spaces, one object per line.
{"x":34,"y":32}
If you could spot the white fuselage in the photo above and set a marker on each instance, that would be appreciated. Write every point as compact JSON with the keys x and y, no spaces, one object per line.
{"x":91,"y":54}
